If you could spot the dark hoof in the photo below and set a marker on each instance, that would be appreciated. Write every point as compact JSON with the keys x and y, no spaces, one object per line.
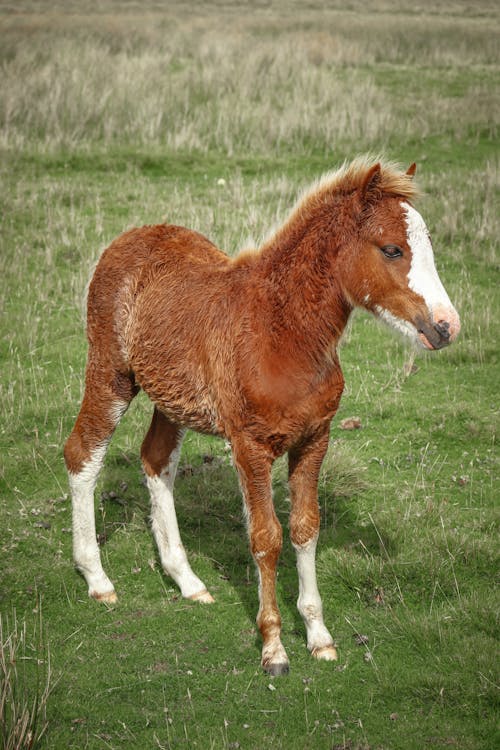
{"x":276,"y":670}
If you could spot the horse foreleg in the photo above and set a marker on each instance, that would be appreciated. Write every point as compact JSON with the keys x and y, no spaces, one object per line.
{"x":160,"y":455}
{"x":304,"y":464}
{"x":254,"y":469}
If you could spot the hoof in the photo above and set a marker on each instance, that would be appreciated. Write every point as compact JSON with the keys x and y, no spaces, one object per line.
{"x":274,"y":659}
{"x":205,"y":597}
{"x":276,"y":669}
{"x":109,"y":597}
{"x":325,"y":653}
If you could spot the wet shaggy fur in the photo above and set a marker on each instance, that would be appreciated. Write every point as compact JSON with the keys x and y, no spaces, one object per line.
{"x":245,"y":348}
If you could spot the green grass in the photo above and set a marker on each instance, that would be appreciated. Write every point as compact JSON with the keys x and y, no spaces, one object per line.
{"x":116,"y":117}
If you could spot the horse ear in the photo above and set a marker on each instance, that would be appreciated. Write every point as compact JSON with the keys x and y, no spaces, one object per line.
{"x":371,"y":180}
{"x":411,"y":170}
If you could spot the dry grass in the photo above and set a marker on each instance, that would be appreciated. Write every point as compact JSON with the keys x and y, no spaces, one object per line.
{"x":468,"y":225}
{"x":25,"y":685}
{"x":237,"y":82}
{"x":83,"y":92}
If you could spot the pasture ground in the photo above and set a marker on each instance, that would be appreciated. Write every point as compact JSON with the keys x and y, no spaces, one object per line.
{"x":117,"y":114}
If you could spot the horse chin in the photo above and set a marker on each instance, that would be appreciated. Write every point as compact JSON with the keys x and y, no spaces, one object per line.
{"x":424,"y":342}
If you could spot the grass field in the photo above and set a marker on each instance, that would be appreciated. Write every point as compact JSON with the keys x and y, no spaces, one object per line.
{"x":214,"y":116}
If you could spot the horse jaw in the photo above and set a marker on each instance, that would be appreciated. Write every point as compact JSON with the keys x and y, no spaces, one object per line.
{"x":404,"y":327}
{"x":425,"y":334}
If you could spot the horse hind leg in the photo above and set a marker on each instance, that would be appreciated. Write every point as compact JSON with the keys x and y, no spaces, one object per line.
{"x":102,"y":408}
{"x":160,"y":455}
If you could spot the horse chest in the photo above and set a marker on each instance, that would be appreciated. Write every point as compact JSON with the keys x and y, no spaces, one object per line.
{"x":282,"y":416}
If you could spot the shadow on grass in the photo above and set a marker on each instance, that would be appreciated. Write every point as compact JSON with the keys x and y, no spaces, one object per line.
{"x":211,"y":521}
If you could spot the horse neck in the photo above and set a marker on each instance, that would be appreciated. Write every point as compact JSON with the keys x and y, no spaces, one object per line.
{"x":301,"y":272}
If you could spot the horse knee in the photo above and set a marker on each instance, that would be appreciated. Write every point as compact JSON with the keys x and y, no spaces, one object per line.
{"x":266,"y":542}
{"x":304,"y":526}
{"x":75,"y":454}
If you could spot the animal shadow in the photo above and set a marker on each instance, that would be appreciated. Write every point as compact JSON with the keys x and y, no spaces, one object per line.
{"x":211,"y":521}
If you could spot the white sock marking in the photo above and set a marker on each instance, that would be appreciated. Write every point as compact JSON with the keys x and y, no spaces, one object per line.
{"x":309,"y":601}
{"x":82,"y":485}
{"x":166,"y":530}
{"x":85,"y":548}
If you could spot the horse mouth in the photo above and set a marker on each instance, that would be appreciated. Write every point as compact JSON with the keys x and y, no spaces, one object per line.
{"x":425,"y":341}
{"x":434,"y":336}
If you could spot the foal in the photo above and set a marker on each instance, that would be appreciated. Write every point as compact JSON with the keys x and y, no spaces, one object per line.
{"x":245,"y":348}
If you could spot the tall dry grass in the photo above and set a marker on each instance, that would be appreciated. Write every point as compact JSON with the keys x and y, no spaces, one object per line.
{"x":25,"y":685}
{"x":82,"y":92}
{"x":237,"y":81}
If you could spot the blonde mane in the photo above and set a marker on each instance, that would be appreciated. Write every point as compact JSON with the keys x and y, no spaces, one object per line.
{"x":345,"y":180}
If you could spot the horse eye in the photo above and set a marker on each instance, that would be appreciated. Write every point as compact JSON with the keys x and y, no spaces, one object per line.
{"x":392,"y":251}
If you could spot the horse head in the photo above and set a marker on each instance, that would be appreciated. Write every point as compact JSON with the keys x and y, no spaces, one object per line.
{"x":391,"y":270}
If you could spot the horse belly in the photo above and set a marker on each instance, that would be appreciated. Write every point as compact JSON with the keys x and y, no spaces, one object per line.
{"x":179,"y":340}
{"x":195,"y":411}
{"x":170,"y":368}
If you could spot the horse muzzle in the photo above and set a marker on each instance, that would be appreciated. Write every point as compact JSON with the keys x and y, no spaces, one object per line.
{"x":440,"y":330}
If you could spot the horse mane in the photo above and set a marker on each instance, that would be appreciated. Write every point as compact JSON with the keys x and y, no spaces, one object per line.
{"x":343,"y":181}
{"x":351,"y":177}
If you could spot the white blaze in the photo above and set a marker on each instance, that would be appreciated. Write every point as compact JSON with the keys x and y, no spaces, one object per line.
{"x":424,"y":281}
{"x":422,"y":277}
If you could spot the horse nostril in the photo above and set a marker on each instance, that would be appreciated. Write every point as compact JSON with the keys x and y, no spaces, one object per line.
{"x":443,"y":328}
